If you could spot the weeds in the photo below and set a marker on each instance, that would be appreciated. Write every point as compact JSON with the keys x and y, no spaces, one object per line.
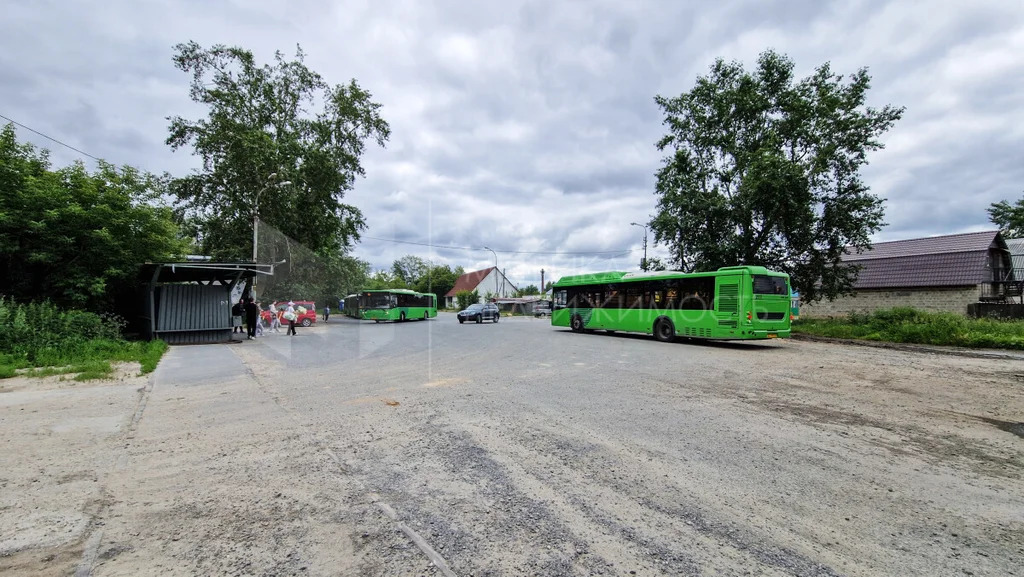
{"x":908,"y":325}
{"x":50,"y":341}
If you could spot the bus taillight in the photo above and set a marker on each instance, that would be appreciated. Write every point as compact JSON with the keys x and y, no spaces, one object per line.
{"x":750,"y":316}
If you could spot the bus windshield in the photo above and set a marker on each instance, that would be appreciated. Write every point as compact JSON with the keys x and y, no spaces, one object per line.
{"x":378,"y":301}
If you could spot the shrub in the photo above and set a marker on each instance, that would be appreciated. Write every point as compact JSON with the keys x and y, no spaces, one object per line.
{"x":908,"y":325}
{"x":466,"y":298}
{"x":42,"y":335}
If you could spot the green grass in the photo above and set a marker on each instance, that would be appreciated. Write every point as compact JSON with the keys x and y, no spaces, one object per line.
{"x":908,"y":325}
{"x":48,"y":341}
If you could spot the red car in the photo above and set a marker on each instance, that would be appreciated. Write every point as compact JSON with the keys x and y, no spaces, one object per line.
{"x":305,"y":318}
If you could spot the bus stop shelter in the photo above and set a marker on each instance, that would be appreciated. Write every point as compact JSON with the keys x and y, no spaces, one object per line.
{"x":190,"y":302}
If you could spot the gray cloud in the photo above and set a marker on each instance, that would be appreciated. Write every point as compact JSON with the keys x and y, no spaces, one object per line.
{"x":530,"y":126}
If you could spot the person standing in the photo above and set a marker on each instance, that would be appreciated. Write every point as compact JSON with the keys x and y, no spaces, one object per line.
{"x":251,"y":313}
{"x":289,"y":315}
{"x":275,"y":320}
{"x":259,"y":320}
{"x":327,"y":313}
{"x":237,"y":310}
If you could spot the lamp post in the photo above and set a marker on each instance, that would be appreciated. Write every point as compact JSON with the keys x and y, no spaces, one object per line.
{"x":256,"y":220}
{"x":643,"y":263}
{"x":256,"y":210}
{"x":496,"y":273}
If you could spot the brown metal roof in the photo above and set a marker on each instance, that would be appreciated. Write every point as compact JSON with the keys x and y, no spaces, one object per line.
{"x":950,"y":260}
{"x":469,"y":281}
{"x":929,"y":270}
{"x":971,"y":241}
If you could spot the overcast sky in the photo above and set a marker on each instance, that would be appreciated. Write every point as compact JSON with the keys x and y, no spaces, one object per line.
{"x":530,"y":127}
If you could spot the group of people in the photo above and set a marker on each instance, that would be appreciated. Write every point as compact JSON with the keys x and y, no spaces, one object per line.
{"x":253,"y":312}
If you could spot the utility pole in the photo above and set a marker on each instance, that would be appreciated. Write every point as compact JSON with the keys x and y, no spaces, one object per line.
{"x":643,"y":263}
{"x":496,"y":271}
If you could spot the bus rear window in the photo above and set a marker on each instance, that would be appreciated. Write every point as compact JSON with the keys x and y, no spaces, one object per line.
{"x":770,"y":285}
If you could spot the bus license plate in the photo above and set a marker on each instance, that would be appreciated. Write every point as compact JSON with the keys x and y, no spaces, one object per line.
{"x":773,"y":335}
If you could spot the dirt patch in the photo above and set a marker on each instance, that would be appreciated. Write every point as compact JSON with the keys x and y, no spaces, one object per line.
{"x":62,"y":438}
{"x":122,"y":372}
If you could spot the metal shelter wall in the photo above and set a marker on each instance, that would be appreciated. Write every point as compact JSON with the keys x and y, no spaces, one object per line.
{"x":193,"y":314}
{"x":190,"y":302}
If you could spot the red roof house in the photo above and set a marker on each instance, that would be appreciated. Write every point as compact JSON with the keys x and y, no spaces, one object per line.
{"x":487,"y":281}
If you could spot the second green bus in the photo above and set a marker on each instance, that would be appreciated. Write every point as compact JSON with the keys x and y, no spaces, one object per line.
{"x":396,"y":305}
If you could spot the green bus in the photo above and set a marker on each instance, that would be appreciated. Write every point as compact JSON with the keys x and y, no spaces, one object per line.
{"x":351,"y":308}
{"x":736,"y":302}
{"x":396,"y":305}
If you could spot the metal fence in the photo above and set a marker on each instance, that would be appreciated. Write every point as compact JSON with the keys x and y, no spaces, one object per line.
{"x":1006,"y":286}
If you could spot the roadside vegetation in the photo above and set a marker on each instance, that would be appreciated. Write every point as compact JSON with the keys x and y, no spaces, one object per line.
{"x":39,"y":340}
{"x":908,"y":325}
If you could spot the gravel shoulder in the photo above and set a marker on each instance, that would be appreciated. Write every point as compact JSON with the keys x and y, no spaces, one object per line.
{"x":431,"y":448}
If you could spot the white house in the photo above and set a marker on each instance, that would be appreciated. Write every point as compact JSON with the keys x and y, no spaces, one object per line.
{"x":487,"y":281}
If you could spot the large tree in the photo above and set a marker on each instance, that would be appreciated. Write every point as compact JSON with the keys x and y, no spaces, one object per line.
{"x":763,"y":169}
{"x":438,"y":279}
{"x":267,"y":125}
{"x":409,"y":269}
{"x":77,"y":238}
{"x":1008,"y":217}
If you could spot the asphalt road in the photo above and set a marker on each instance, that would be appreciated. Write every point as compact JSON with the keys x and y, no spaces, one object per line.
{"x":516,"y":448}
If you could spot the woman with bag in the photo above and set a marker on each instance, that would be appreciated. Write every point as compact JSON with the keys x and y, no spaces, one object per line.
{"x":290,"y":316}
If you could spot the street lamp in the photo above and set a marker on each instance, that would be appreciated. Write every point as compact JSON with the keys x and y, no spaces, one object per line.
{"x":495,"y":269}
{"x":256,"y":209}
{"x":643,"y":263}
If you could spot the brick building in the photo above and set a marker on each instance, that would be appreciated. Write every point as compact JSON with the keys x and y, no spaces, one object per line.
{"x":939,"y":274}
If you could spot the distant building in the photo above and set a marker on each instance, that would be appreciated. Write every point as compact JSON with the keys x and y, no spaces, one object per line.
{"x":939,"y":274}
{"x":1016,"y":246}
{"x":489,"y":280}
{"x":520,"y":305}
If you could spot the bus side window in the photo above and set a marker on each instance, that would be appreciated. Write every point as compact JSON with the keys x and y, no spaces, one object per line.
{"x":612,"y":300}
{"x":634,"y":298}
{"x":652,"y":299}
{"x":575,"y":298}
{"x":672,"y":298}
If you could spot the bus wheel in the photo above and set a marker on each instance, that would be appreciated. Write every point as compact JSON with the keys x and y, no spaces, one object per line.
{"x":576,"y":324}
{"x":426,"y":315}
{"x":401,"y":317}
{"x":664,"y":331}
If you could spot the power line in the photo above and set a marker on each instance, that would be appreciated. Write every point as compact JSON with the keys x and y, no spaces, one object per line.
{"x":12,"y":121}
{"x":614,"y":253}
{"x":427,"y":244}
